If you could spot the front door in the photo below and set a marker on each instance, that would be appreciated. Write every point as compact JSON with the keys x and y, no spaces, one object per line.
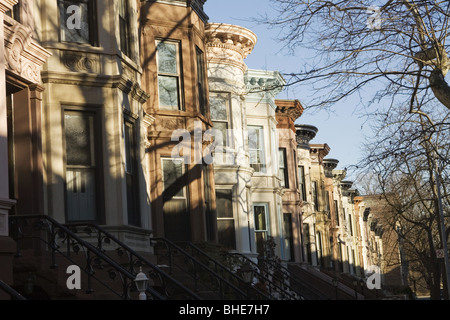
{"x":175,"y":200}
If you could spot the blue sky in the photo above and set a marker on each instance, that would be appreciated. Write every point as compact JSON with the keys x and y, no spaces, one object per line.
{"x":342,"y":128}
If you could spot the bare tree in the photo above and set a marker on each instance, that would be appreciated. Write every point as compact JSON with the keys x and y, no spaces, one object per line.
{"x":401,"y":157}
{"x":398,"y":46}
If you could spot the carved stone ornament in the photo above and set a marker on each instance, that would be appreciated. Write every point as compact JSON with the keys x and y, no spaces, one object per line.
{"x":24,"y":57}
{"x":78,"y":62}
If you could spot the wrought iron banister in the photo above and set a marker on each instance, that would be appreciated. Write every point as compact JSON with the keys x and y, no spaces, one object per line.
{"x":304,"y":289}
{"x":274,"y":290}
{"x":166,"y":282}
{"x":48,"y":231}
{"x":200,"y":272}
{"x":223,"y":270}
{"x":12,"y":293}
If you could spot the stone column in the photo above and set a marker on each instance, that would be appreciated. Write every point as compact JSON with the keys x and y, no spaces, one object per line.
{"x":6,"y":243}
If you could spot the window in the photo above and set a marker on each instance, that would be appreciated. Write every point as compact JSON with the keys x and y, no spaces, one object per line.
{"x":131,"y":174}
{"x":77,"y":21}
{"x":124,"y":26}
{"x":327,"y":203}
{"x":315,"y":194}
{"x":225,"y":218}
{"x":261,"y":226}
{"x":302,"y":182}
{"x":282,"y":168}
{"x":256,"y":148}
{"x":201,"y":83}
{"x":350,"y":224}
{"x":169,"y":78}
{"x":15,"y":12}
{"x":220,"y":117}
{"x":336,"y":212}
{"x":81,"y":166}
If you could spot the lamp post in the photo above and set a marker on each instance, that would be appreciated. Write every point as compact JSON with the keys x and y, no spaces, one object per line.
{"x":335,"y":282}
{"x":141,"y":282}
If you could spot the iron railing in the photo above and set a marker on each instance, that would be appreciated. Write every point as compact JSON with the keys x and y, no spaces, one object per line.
{"x":275,"y":289}
{"x":60,"y":240}
{"x":11,"y":292}
{"x":116,"y":249}
{"x":202,"y":277}
{"x":231,"y":274}
{"x":291,"y":281}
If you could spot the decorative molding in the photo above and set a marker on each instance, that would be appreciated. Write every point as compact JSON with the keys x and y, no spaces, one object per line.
{"x":24,"y":57}
{"x":80,"y":62}
{"x":304,"y":134}
{"x":329,"y":165}
{"x":230,"y":37}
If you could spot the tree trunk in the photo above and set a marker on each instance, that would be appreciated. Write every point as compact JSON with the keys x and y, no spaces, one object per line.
{"x":440,"y":87}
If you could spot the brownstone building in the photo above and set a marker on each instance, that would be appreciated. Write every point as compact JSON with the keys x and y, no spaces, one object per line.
{"x":173,"y":57}
{"x":287,"y":112}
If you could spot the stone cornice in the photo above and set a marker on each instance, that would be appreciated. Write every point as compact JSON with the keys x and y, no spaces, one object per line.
{"x":232,"y":37}
{"x":329,"y":165}
{"x":291,"y":109}
{"x":304,"y":134}
{"x":339,"y":175}
{"x":262,"y":81}
{"x":320,"y":150}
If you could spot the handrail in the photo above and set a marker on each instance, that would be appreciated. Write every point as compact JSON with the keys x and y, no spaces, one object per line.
{"x":272,"y":287}
{"x":12,"y":293}
{"x":54,"y":229}
{"x":199,"y":266}
{"x":306,"y":289}
{"x":219,"y":266}
{"x":166,"y":280}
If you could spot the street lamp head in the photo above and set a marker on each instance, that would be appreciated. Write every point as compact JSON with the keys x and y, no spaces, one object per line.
{"x":141,"y":282}
{"x":247,"y":272}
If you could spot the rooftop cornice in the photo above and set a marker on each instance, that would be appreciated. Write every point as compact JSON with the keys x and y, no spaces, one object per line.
{"x":322,"y":150}
{"x":290,"y":108}
{"x":232,"y":37}
{"x":304,"y":134}
{"x":258,"y":81}
{"x":329,"y":165}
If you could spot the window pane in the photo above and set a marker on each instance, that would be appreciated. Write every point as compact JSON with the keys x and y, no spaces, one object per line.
{"x":260,"y":217}
{"x":172,"y":171}
{"x":253,"y":138}
{"x":79,"y":139}
{"x":168,"y":92}
{"x":167,"y":57}
{"x":129,"y":145}
{"x":218,"y":107}
{"x":70,"y":30}
{"x":220,"y":130}
{"x":224,"y":203}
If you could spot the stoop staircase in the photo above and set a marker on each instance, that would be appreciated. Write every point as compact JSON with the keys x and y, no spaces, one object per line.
{"x":177,"y":271}
{"x":45,"y":248}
